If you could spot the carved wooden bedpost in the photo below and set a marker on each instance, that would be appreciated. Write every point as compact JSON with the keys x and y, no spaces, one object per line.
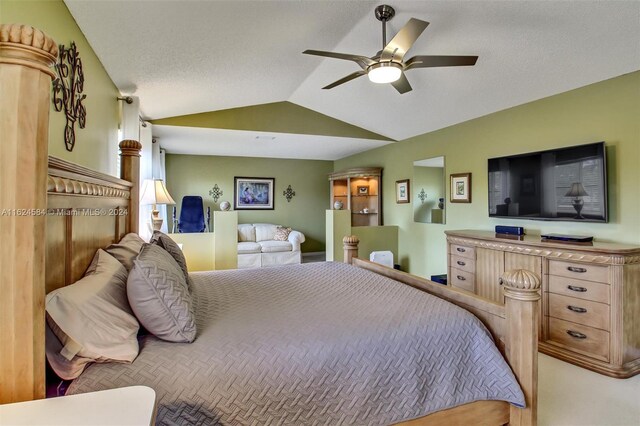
{"x":350,"y":244}
{"x":522,"y":296}
{"x":130,"y":170}
{"x":26,"y":57}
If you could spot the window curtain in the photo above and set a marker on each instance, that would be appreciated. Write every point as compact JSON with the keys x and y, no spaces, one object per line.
{"x":159,"y":172}
{"x":146,"y":172}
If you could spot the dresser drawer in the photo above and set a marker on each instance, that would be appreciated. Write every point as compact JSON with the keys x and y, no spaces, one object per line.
{"x":464,"y":251}
{"x":592,"y":314}
{"x":463,"y":263}
{"x":581,"y":271}
{"x":581,"y":289}
{"x":462,"y":280}
{"x":580,"y":338}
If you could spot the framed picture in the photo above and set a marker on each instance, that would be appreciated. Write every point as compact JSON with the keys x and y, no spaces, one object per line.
{"x":460,"y":188}
{"x":363,"y":190}
{"x":402,"y":191}
{"x":253,"y":193}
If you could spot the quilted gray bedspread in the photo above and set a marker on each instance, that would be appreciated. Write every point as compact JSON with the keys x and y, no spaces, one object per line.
{"x":323,"y":343}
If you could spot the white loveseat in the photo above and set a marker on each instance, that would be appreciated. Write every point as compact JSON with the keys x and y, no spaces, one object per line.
{"x":257,"y":247}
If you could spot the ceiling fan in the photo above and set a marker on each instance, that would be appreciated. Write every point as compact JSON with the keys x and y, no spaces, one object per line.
{"x":388,"y":65}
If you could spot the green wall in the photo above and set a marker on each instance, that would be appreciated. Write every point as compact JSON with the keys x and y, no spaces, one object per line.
{"x":606,"y":111}
{"x":196,"y":175}
{"x":96,"y":144}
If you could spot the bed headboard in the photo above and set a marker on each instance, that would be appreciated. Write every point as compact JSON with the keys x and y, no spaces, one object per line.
{"x":55,"y":214}
{"x":87,"y":210}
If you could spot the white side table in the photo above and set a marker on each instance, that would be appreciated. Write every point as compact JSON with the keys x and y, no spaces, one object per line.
{"x":133,"y":405}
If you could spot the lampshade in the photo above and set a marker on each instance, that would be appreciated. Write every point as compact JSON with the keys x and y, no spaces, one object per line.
{"x":154,"y":192}
{"x":384,"y":72}
{"x":577,"y":190}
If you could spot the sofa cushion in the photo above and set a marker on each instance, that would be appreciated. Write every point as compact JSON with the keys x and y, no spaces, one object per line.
{"x":282,"y":233}
{"x":275,"y":246}
{"x":265,"y":232}
{"x":246,"y":233}
{"x":249,"y":247}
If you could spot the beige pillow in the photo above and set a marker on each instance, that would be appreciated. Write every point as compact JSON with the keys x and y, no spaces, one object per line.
{"x":92,"y":318}
{"x":159,"y":295}
{"x":246,"y":234}
{"x":282,"y":234}
{"x":126,"y":250}
{"x":173,"y":249}
{"x":265,"y":232}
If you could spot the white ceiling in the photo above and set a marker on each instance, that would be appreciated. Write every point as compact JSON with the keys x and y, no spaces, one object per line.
{"x":189,"y":57}
{"x":201,"y":141}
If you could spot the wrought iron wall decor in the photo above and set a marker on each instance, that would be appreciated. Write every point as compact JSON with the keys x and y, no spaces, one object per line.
{"x":67,"y":92}
{"x":289,"y":193}
{"x":216,"y":192}
{"x":422,"y":195}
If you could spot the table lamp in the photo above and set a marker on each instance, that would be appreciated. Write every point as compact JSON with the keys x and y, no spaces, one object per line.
{"x":577,"y":191}
{"x":153,"y":193}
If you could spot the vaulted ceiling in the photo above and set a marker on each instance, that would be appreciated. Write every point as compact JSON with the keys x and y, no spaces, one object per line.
{"x":183,"y":58}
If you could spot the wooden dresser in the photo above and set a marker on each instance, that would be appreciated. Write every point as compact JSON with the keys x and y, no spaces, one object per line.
{"x":590,"y":293}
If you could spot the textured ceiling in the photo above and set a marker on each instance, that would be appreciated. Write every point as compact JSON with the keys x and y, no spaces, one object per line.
{"x":188,"y":57}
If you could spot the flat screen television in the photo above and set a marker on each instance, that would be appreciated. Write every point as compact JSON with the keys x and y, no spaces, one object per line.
{"x":560,"y":184}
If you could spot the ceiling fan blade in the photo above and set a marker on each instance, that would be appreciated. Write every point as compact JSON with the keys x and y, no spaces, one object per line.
{"x":345,"y":79}
{"x":363,"y":61}
{"x":402,"y":42}
{"x":439,"y":61}
{"x":402,"y":84}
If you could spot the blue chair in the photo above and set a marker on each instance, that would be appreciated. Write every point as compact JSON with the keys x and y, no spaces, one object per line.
{"x":191,"y":215}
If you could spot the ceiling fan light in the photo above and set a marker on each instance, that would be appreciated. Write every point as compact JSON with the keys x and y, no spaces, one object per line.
{"x":384,"y":72}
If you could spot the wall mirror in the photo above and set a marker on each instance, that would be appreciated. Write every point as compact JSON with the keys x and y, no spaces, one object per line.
{"x":428,"y":189}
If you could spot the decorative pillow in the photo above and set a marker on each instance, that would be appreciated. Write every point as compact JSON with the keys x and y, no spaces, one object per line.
{"x":246,"y":234}
{"x":265,"y":232}
{"x":126,"y":250}
{"x":159,"y":295}
{"x":164,"y":241}
{"x":282,"y":233}
{"x":92,"y":319}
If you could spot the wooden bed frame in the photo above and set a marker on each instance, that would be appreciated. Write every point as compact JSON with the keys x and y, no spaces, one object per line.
{"x":85,"y":210}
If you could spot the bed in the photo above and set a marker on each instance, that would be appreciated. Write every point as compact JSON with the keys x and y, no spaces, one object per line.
{"x":71,"y":192}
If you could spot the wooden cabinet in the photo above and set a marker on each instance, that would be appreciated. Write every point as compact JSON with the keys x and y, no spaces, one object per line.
{"x":590,"y":294}
{"x":359,"y":190}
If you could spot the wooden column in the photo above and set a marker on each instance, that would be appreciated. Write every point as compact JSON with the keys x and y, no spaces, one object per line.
{"x":26,"y":55}
{"x":522,"y":299}
{"x":350,"y":248}
{"x":130,"y":170}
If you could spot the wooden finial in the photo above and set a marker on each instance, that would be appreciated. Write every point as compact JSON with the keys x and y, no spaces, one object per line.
{"x":27,"y":46}
{"x":130,"y":147}
{"x":350,"y":244}
{"x":521,"y":284}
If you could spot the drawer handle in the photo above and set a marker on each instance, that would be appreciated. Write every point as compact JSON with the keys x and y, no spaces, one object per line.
{"x":577,"y":309}
{"x":461,"y":263}
{"x":460,"y":249}
{"x":576,"y":288}
{"x":500,"y":281}
{"x":575,"y":269}
{"x":461,"y":278}
{"x":576,"y":334}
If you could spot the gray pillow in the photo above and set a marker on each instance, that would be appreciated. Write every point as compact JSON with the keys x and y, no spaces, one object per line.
{"x":159,"y":295}
{"x":126,"y":250}
{"x":173,"y":249}
{"x":91,"y":319}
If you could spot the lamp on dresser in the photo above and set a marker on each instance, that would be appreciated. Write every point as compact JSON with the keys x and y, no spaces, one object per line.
{"x":153,"y":193}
